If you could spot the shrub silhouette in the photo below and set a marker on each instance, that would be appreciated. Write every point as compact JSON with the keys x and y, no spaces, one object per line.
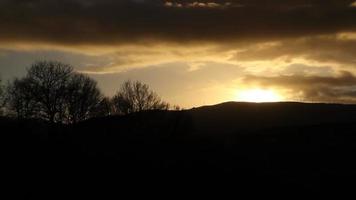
{"x":136,"y":97}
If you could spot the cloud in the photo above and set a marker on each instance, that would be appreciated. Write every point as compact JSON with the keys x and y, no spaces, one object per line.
{"x":198,"y":4}
{"x":299,"y":44}
{"x":339,"y":88}
{"x":127,"y":58}
{"x":139,"y":33}
{"x":336,"y":49}
{"x":109,"y":22}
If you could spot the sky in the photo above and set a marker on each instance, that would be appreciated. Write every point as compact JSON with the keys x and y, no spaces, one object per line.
{"x":190,"y":52}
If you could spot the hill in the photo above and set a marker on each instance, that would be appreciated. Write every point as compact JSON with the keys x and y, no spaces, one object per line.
{"x":267,"y":145}
{"x":236,"y":117}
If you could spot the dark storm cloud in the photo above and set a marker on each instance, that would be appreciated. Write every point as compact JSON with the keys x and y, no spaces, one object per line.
{"x":341,"y":88}
{"x":127,"y":21}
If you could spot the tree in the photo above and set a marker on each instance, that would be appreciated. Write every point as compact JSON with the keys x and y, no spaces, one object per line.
{"x":103,"y":109}
{"x":2,"y":98}
{"x":136,"y":97}
{"x":1,"y":89}
{"x":20,"y":101}
{"x":82,"y":98}
{"x":54,"y":92}
{"x":48,"y":82}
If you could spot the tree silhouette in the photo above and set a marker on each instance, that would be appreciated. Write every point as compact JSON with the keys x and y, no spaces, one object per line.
{"x":136,"y":97}
{"x":2,"y":98}
{"x":82,"y":98}
{"x":1,"y":89}
{"x":19,"y":99}
{"x":52,"y":91}
{"x":103,"y":109}
{"x":48,"y":82}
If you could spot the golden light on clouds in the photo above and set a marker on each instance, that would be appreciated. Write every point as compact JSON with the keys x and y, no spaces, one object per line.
{"x":276,"y":50}
{"x":353,"y":4}
{"x":258,"y":95}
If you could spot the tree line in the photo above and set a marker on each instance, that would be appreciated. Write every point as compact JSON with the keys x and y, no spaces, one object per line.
{"x":54,"y":92}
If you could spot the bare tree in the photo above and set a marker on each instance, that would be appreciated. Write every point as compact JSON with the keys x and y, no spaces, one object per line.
{"x":82,"y":98}
{"x":137,"y":97}
{"x":103,"y":109}
{"x":2,"y":98}
{"x":52,"y":91}
{"x":1,"y":89}
{"x":20,"y":101}
{"x":48,"y":82}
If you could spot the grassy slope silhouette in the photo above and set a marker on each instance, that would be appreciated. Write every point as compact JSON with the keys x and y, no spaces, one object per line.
{"x":268,"y":145}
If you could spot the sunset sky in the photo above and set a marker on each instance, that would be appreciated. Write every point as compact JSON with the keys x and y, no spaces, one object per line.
{"x":192,"y":52}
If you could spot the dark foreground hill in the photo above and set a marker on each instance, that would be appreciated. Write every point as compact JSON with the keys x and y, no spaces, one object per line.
{"x":271,"y":146}
{"x":244,"y":118}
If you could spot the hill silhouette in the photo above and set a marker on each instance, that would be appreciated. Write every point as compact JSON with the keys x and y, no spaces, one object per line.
{"x":285,"y":145}
{"x":237,"y":117}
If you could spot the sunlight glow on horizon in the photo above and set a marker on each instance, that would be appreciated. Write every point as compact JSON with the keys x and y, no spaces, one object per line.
{"x":258,"y":96}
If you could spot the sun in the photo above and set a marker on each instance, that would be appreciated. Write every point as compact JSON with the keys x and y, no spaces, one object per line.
{"x":258,"y":96}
